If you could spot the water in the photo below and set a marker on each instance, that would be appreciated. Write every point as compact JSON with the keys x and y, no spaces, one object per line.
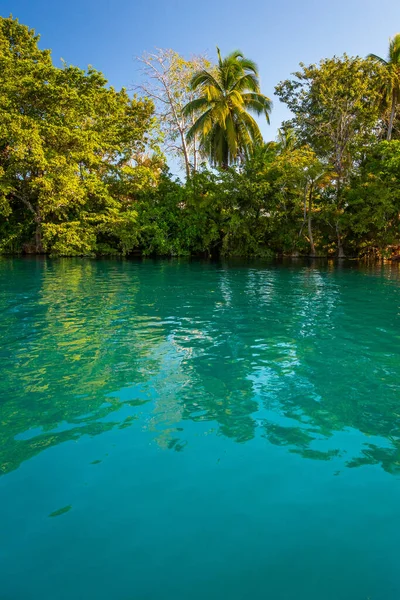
{"x":177,"y":430}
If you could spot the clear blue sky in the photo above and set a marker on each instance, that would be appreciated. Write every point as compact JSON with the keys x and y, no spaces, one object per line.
{"x":277,"y":34}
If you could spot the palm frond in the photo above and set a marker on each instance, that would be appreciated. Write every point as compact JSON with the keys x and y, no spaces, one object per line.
{"x":234,"y":56}
{"x":204,"y":78}
{"x":377,"y":59}
{"x":201,"y":126}
{"x":249,"y":81}
{"x":257,"y":103}
{"x":252,"y":127}
{"x":249,"y":65}
{"x":226,"y":129}
{"x":394,"y":50}
{"x":231,"y":137}
{"x":195,"y":105}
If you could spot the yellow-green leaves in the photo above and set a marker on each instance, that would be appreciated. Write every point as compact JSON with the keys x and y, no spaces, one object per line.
{"x":71,"y":149}
{"x":221,"y":113}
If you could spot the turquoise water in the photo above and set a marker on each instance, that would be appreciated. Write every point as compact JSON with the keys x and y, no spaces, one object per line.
{"x":177,"y":430}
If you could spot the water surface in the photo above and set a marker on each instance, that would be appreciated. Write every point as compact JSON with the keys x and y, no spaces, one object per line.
{"x":184,"y":430}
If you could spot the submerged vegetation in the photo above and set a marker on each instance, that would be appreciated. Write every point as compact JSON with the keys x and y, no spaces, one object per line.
{"x":83,"y":166}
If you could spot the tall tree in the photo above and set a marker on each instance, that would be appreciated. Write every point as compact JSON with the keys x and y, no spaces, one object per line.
{"x":391,"y":85}
{"x":335,"y":107}
{"x":373,"y":202}
{"x":228,"y":132}
{"x":166,"y":80}
{"x":68,"y":144}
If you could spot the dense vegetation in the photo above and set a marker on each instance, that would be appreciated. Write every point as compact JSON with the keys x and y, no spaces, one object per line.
{"x":83,"y":166}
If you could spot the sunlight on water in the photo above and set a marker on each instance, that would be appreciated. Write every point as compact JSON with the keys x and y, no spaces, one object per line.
{"x":199,"y":430}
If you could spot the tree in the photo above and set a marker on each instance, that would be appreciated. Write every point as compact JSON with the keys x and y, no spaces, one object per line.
{"x":287,"y":139}
{"x":335,"y":106}
{"x":227,"y":130}
{"x":302,"y":174}
{"x":373,"y":203}
{"x":167,"y":76}
{"x":391,"y":81}
{"x":67,"y":152}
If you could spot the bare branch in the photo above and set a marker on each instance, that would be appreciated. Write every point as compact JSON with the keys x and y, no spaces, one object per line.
{"x":166,"y":80}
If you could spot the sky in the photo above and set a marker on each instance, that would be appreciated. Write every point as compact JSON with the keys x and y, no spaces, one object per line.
{"x":277,"y":34}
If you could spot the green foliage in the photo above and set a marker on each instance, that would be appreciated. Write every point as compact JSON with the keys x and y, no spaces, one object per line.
{"x":335,"y":107}
{"x":373,"y":203}
{"x":69,"y":239}
{"x":336,"y":112}
{"x":390,"y":82}
{"x":82,"y":173}
{"x":69,"y":148}
{"x":228,"y":95}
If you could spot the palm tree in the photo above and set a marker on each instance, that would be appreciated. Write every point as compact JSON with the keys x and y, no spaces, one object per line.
{"x":392,"y":85}
{"x":228,"y":93}
{"x":287,"y":139}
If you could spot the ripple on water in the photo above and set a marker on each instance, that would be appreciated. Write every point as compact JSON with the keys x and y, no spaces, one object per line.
{"x":166,"y":399}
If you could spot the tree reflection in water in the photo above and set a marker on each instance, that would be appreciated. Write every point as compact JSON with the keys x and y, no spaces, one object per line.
{"x":302,"y":355}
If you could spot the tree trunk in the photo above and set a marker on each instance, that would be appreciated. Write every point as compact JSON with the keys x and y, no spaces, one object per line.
{"x":391,"y":120}
{"x":185,"y":154}
{"x":38,"y":234}
{"x":194,"y":155}
{"x":338,"y":205}
{"x":304,"y":210}
{"x":180,"y":128}
{"x":37,"y":219}
{"x":341,"y":253}
{"x":310,"y":234}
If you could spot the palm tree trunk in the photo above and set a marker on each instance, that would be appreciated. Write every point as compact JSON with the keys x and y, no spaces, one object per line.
{"x":392,"y":114}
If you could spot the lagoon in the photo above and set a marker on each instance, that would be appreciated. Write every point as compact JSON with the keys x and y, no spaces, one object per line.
{"x":190,"y":430}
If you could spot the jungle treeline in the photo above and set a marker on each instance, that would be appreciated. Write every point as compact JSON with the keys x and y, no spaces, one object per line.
{"x":84,"y":167}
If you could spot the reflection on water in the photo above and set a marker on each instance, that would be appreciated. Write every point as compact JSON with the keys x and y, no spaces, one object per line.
{"x":301,"y":356}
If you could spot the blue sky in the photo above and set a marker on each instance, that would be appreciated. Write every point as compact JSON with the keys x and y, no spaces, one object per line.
{"x":276,"y":34}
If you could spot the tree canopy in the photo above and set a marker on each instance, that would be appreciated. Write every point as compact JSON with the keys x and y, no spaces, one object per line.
{"x":227,"y":130}
{"x":82,"y":168}
{"x":390,"y":80}
{"x":69,"y":145}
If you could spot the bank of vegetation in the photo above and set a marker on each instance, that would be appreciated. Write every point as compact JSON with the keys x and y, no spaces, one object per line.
{"x":83,"y":167}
